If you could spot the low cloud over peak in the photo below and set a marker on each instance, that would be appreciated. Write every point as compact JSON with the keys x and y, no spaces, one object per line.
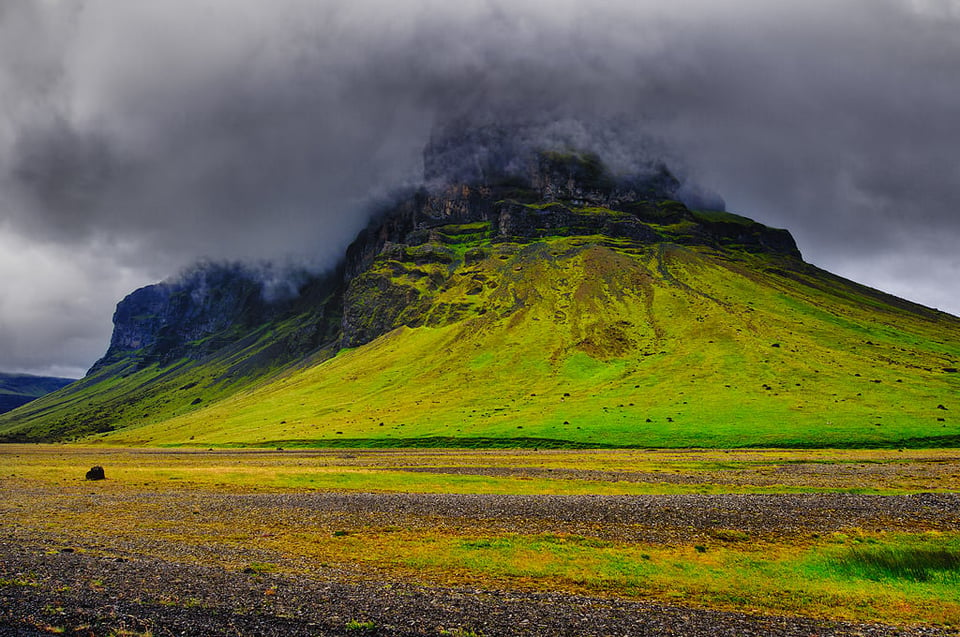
{"x":144,"y":136}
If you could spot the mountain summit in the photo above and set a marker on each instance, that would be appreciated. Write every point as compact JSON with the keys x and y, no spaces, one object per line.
{"x":525,"y":297}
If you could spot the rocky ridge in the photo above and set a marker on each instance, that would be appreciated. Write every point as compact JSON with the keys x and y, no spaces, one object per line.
{"x":210,"y":307}
{"x":549,"y":194}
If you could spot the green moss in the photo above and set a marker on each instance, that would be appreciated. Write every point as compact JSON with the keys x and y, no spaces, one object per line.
{"x":718,"y":216}
{"x":545,"y":205}
{"x":599,"y":211}
{"x":679,"y":228}
{"x":464,"y":228}
{"x":429,"y":253}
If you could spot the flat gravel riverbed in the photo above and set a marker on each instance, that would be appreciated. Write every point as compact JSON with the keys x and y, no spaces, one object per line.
{"x":128,"y":575}
{"x":78,"y":593}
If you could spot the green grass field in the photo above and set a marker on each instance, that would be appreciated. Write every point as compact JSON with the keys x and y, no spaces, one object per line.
{"x":499,"y":471}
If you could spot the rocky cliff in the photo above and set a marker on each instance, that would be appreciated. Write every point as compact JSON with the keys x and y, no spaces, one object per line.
{"x":212,"y":306}
{"x":481,"y":187}
{"x":406,"y":257}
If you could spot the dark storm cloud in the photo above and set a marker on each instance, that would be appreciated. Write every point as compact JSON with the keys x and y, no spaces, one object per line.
{"x":242,"y":129}
{"x":846,"y":132}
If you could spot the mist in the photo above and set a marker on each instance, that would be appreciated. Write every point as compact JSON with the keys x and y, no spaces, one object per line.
{"x":138,"y":138}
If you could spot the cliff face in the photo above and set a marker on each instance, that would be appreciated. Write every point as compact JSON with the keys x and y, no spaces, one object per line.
{"x":204,"y":310}
{"x":405,"y":259}
{"x":160,"y":323}
{"x":482,"y":189}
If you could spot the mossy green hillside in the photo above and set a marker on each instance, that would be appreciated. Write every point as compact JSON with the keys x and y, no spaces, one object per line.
{"x":129,"y":393}
{"x":560,"y":325}
{"x":594,"y":340}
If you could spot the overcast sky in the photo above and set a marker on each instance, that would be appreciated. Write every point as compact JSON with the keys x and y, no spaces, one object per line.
{"x":138,"y":137}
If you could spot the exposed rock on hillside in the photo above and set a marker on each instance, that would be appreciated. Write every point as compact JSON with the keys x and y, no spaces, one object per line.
{"x":205,"y":309}
{"x":499,"y":197}
{"x":404,"y":258}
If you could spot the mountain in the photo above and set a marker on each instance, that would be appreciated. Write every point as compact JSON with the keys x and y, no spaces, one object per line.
{"x":528,"y":298}
{"x":19,"y":389}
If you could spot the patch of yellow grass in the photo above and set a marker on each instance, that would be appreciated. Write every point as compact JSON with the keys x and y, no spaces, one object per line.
{"x":707,"y":471}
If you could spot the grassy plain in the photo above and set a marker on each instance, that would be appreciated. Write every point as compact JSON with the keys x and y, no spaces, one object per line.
{"x":194,"y":506}
{"x":607,"y":472}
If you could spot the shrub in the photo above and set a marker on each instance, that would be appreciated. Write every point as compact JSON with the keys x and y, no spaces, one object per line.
{"x":259,"y":568}
{"x":459,"y":632}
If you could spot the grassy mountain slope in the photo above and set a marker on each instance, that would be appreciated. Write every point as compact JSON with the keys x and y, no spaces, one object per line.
{"x":552,"y":306}
{"x":19,"y":389}
{"x":127,"y":394}
{"x":590,"y":340}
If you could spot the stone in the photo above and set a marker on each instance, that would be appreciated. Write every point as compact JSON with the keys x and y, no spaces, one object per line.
{"x":96,"y":473}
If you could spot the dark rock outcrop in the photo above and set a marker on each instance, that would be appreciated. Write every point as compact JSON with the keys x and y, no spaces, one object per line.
{"x":488,"y":181}
{"x":522,"y":222}
{"x":525,"y":157}
{"x":96,"y":473}
{"x":208,"y":308}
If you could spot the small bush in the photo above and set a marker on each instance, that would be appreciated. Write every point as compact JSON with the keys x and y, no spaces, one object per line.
{"x":460,"y":632}
{"x":259,"y":568}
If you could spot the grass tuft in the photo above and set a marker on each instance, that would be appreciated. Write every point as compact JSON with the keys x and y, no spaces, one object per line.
{"x":260,"y":568}
{"x":360,"y":626}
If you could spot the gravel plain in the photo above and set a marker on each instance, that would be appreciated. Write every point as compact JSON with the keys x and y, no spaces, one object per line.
{"x":69,"y":581}
{"x":836,"y":475}
{"x":132,"y":597}
{"x":126,"y":558}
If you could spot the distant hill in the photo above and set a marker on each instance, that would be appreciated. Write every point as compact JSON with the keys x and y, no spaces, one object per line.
{"x":19,"y":389}
{"x":523,"y":298}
